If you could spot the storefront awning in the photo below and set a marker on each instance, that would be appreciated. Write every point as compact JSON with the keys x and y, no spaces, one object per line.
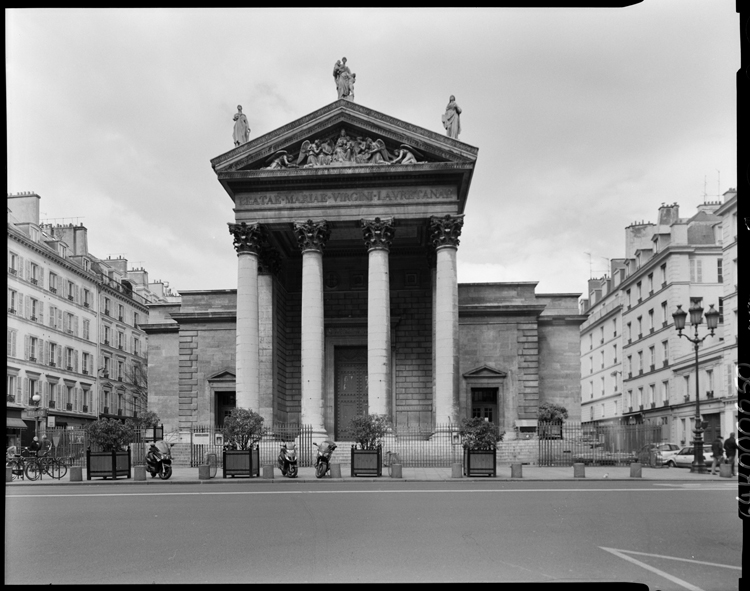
{"x":13,"y":423}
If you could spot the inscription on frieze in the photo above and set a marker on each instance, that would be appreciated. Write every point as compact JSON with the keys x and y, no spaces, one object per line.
{"x":391,"y":195}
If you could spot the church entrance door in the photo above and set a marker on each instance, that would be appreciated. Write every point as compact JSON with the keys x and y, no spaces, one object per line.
{"x":351,"y":387}
{"x":225,"y":403}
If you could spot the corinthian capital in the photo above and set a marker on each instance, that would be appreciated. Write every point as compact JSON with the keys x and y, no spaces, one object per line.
{"x":312,"y":235}
{"x":247,"y":237}
{"x":377,"y":233}
{"x":446,"y":230}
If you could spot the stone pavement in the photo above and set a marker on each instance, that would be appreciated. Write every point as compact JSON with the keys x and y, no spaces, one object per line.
{"x":187,"y":475}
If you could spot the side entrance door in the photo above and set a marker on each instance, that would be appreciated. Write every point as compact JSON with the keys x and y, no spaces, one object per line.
{"x":484,"y":404}
{"x":350,"y":366}
{"x":225,"y":403}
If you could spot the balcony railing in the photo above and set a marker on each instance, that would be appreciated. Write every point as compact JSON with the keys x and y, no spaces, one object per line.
{"x":11,"y":398}
{"x":665,"y":403}
{"x":653,"y":405}
{"x":665,"y":363}
{"x":33,"y":281}
{"x":32,"y":359}
{"x":86,"y":305}
{"x":105,"y":410}
{"x":52,"y":364}
{"x":687,"y":397}
{"x":51,"y":404}
{"x":13,"y":271}
{"x":651,"y":330}
{"x":664,"y":324}
{"x":710,"y":394}
{"x":640,"y":407}
{"x":85,"y":372}
{"x":85,"y":408}
{"x":70,"y":368}
{"x":70,"y":297}
{"x":12,"y":310}
{"x":119,"y":411}
{"x":653,"y":367}
{"x":53,"y":289}
{"x":69,"y":406}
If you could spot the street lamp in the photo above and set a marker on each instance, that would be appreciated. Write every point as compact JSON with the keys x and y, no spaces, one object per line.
{"x":712,"y":321}
{"x":35,"y":399}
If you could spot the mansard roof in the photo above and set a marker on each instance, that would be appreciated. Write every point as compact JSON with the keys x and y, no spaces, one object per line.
{"x":255,"y":166}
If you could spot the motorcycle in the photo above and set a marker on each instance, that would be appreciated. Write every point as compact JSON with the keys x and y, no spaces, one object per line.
{"x":159,"y":460}
{"x":323,"y":461}
{"x":287,"y":460}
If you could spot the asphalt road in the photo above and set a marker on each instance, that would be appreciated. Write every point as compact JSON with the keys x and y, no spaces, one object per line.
{"x":670,"y":536}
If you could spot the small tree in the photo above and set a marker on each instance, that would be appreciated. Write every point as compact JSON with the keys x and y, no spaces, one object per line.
{"x":479,"y":434}
{"x":549,"y":411}
{"x":369,"y":430}
{"x":110,"y":434}
{"x":145,"y":420}
{"x":242,"y":428}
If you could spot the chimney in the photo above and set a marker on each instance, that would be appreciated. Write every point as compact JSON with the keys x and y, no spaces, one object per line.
{"x":25,"y":207}
{"x":669,"y":214}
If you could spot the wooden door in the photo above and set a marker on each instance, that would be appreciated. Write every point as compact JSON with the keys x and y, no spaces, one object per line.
{"x":484,"y":404}
{"x":351,"y":387}
{"x":225,"y":403}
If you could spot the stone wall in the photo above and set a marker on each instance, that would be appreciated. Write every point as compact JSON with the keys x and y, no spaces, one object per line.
{"x":163,"y":362}
{"x":560,"y":371}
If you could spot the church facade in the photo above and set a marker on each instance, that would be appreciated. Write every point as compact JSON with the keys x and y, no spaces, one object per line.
{"x":347,"y":225}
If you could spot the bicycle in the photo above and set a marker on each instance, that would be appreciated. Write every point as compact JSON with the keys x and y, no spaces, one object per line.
{"x":17,"y":464}
{"x":52,"y":466}
{"x":391,"y":458}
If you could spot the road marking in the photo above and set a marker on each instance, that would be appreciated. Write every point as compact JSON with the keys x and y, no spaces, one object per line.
{"x":328,"y":492}
{"x":683,"y":559}
{"x":661,"y":573}
{"x":723,"y":485}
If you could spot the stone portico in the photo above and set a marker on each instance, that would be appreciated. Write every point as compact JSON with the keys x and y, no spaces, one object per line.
{"x":347,"y":225}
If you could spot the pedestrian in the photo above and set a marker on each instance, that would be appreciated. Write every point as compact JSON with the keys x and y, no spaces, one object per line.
{"x":717,"y":451}
{"x":35,"y":446}
{"x":730,"y":447}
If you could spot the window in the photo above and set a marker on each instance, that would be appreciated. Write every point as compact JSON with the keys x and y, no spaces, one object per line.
{"x":106,"y":306}
{"x":69,"y":323}
{"x":136,"y":347}
{"x":601,"y":408}
{"x":106,"y":361}
{"x":663,"y":273}
{"x":719,"y":271}
{"x":651,"y":394}
{"x":638,"y":290}
{"x":13,"y":263}
{"x":630,"y":398}
{"x":630,"y":332}
{"x":640,"y":361}
{"x":85,"y":363}
{"x":33,"y":390}
{"x":696,"y":271}
{"x":651,"y":320}
{"x":119,"y":403}
{"x":640,"y":326}
{"x":86,"y":298}
{"x":602,"y":386}
{"x":710,"y":380}
{"x":106,"y":401}
{"x":664,"y":317}
{"x":652,"y":356}
{"x":135,"y":319}
{"x":591,"y":389}
{"x":69,"y":359}
{"x":627,"y":296}
{"x":120,"y":312}
{"x":120,"y":340}
{"x":52,"y":394}
{"x":53,"y":353}
{"x":591,"y":341}
{"x":33,"y":348}
{"x":601,"y":334}
{"x":629,"y":365}
{"x":120,"y":370}
{"x":601,"y":358}
{"x":650,"y":283}
{"x":614,"y":328}
{"x":640,"y":396}
{"x":35,"y":310}
{"x":591,"y":413}
{"x":35,"y":273}
{"x":106,"y":335}
{"x":13,"y":301}
{"x":615,"y":407}
{"x":13,"y":388}
{"x":591,"y":365}
{"x":12,"y":336}
{"x":72,"y":289}
{"x":665,"y":351}
{"x":614,"y":353}
{"x":664,"y":391}
{"x":687,"y":386}
{"x":53,"y":282}
{"x":721,"y":310}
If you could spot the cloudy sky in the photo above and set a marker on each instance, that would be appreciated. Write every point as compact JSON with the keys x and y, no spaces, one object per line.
{"x":586,"y":120}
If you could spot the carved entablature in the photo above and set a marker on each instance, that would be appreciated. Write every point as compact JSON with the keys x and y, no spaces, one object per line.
{"x":312,"y":235}
{"x":378,"y":233}
{"x":446,"y":230}
{"x":247,"y":237}
{"x":343,"y":150}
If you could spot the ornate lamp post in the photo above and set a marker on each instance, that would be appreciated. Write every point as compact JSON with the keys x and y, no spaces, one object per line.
{"x":36,"y":399}
{"x":712,"y":321}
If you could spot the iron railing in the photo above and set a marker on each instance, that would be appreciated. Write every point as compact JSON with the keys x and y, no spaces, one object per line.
{"x":422,"y":446}
{"x":566,"y":443}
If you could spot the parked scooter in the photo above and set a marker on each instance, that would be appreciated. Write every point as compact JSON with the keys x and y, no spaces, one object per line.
{"x":159,"y":460}
{"x":323,"y":461}
{"x":287,"y":460}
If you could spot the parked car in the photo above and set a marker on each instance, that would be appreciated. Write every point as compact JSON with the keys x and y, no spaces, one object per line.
{"x":684,"y":458}
{"x":665,"y":452}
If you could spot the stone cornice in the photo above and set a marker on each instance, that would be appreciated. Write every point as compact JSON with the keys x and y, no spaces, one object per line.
{"x":501,"y":310}
{"x":164,"y":327}
{"x":194,"y":317}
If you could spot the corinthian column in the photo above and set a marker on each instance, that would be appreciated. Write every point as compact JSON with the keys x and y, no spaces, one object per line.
{"x":312,"y":237}
{"x":378,"y":235}
{"x":269,"y":264}
{"x":247,"y":239}
{"x":444,"y":233}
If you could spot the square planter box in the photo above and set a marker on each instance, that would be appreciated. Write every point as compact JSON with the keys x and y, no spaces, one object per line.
{"x":480,"y":462}
{"x":241,"y":462}
{"x":367,"y":462}
{"x":107,"y":464}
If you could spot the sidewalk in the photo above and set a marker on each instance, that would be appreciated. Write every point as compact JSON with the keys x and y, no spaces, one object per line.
{"x":187,"y":475}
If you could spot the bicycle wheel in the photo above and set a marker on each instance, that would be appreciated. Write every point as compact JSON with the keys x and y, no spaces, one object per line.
{"x":33,"y":471}
{"x":57,"y":469}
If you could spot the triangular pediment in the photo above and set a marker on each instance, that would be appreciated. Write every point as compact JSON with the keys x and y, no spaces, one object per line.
{"x":224,"y":375}
{"x":375,"y":139}
{"x":485,"y":371}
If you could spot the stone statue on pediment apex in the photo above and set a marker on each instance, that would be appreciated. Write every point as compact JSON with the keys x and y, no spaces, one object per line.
{"x":344,"y":80}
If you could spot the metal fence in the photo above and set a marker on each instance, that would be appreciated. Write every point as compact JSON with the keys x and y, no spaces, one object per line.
{"x":269,"y":445}
{"x":422,"y":446}
{"x":566,"y":443}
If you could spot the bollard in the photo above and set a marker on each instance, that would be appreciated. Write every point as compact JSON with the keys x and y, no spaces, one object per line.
{"x":139,"y":472}
{"x":8,"y":474}
{"x":579,"y":471}
{"x":725,"y":470}
{"x":456,"y":470}
{"x":396,"y":470}
{"x":635,"y":470}
{"x":335,"y":470}
{"x":516,"y":471}
{"x":204,"y":472}
{"x":267,"y":472}
{"x":76,"y":474}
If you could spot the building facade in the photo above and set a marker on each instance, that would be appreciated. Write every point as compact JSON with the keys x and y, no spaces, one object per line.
{"x":347,"y":225}
{"x":634,"y":366}
{"x":73,"y":328}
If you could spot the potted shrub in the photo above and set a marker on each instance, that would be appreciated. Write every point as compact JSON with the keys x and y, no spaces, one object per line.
{"x":550,"y":418}
{"x":479,"y":437}
{"x":112,"y":458}
{"x":242,"y":431}
{"x":368,"y":432}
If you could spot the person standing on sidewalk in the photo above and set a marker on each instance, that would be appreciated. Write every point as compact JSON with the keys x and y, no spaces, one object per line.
{"x":730,"y":447}
{"x":717,"y":451}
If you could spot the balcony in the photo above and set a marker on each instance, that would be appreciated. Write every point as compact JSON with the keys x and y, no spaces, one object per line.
{"x":651,"y":330}
{"x":70,"y":297}
{"x":70,"y":368}
{"x":32,"y":359}
{"x":13,"y":271}
{"x":12,"y":310}
{"x":665,"y":363}
{"x":119,"y":412}
{"x":665,"y":403}
{"x":11,"y":398}
{"x":105,"y":410}
{"x":51,"y":404}
{"x":33,"y":281}
{"x":69,"y":406}
{"x":53,"y":289}
{"x":86,"y":305}
{"x":653,"y":367}
{"x":85,"y":372}
{"x":710,"y":394}
{"x":85,"y":408}
{"x":33,"y":318}
{"x":664,"y":324}
{"x":640,"y":407}
{"x":653,"y":405}
{"x":52,"y":364}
